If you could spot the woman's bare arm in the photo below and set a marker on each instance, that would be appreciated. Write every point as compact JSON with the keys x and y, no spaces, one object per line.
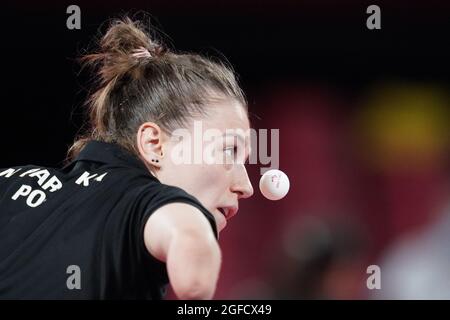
{"x":181,"y":236}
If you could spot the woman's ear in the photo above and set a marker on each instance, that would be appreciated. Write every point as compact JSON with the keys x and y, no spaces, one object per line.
{"x":150,"y":140}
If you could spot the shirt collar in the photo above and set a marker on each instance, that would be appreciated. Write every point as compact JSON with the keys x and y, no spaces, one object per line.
{"x":110,"y":153}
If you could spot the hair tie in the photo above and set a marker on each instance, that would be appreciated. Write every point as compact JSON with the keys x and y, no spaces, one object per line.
{"x":142,"y":53}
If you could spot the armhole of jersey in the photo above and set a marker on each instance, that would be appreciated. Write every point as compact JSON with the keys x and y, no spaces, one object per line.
{"x":147,"y":215}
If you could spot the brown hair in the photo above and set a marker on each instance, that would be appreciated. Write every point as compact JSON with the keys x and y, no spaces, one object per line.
{"x":140,"y":80}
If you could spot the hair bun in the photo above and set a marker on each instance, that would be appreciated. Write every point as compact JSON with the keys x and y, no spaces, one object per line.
{"x":124,"y":46}
{"x":126,"y":36}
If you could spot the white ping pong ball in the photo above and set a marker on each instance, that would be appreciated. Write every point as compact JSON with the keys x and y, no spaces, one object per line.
{"x":274,"y":184}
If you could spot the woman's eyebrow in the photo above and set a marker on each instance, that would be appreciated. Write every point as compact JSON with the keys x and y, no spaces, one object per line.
{"x":241,"y":138}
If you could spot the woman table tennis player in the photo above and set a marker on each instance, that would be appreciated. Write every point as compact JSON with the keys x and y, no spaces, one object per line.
{"x":122,"y":219}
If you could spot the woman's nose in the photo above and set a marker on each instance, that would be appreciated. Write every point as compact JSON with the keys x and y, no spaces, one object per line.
{"x":243,"y":186}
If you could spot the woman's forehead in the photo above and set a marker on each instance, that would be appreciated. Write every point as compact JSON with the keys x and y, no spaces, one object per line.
{"x":227,"y":114}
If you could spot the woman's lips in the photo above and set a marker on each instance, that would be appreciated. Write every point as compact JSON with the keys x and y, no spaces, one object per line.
{"x":221,"y":221}
{"x":229,"y":211}
{"x":222,"y":214}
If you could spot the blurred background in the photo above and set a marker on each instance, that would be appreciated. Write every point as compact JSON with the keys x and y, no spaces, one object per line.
{"x":363,"y":118}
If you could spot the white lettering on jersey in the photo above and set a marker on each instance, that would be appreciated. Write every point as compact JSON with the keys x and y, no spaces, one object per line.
{"x":47,"y":182}
{"x":42,"y":175}
{"x":31,"y":200}
{"x":9,"y":172}
{"x":23,"y":191}
{"x":34,"y":198}
{"x":100,"y":178}
{"x":28,"y":172}
{"x":86,"y":177}
{"x":53,"y":183}
{"x":43,"y":179}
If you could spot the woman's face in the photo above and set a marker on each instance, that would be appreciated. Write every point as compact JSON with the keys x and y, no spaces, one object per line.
{"x":207,"y":159}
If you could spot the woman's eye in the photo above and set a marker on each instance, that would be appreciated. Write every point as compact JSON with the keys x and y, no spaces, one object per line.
{"x":230,"y":151}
